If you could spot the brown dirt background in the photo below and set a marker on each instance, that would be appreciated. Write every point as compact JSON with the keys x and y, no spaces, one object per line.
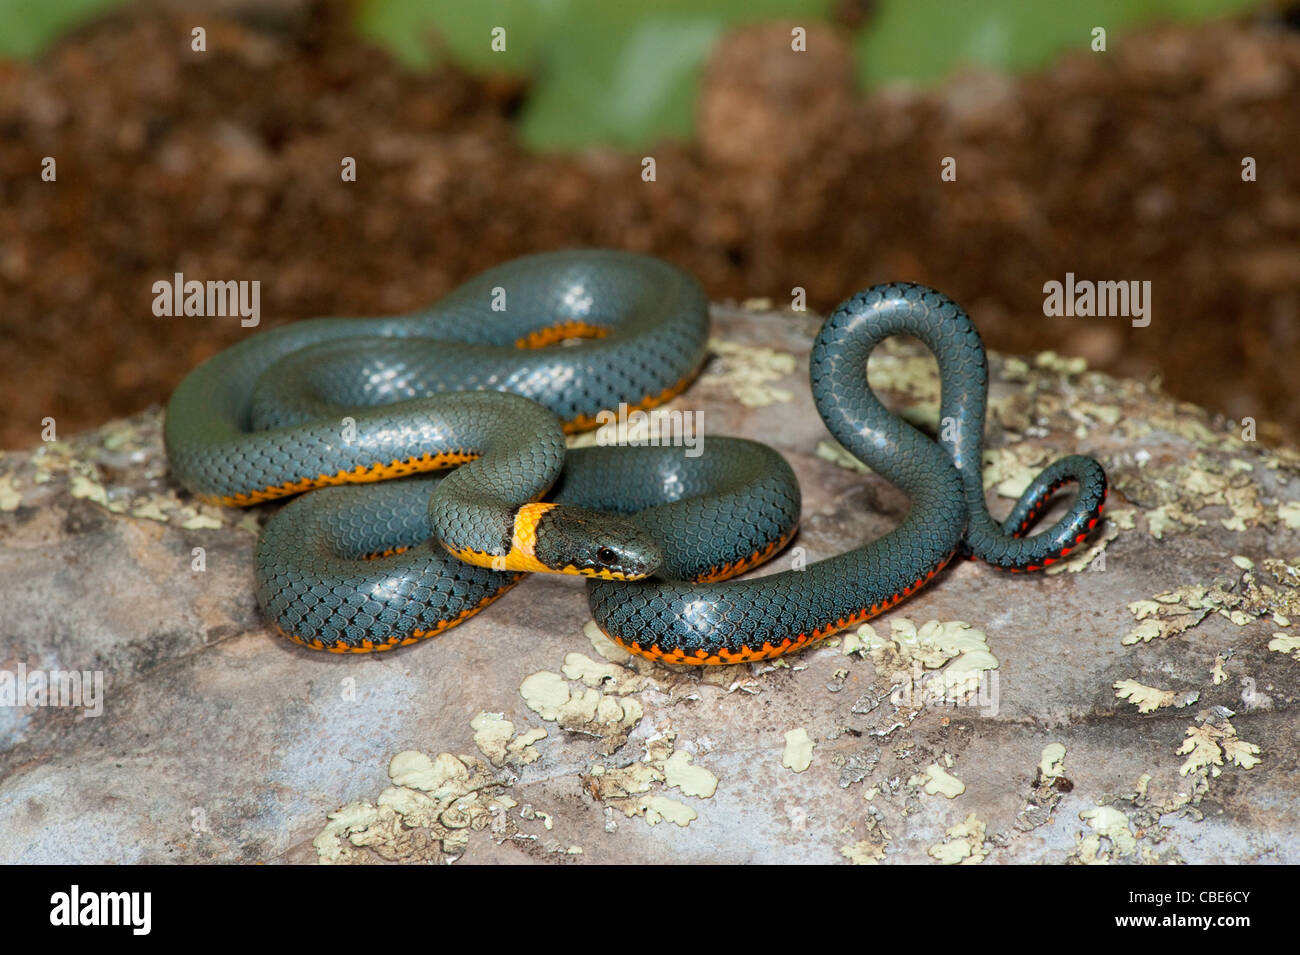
{"x":1124,"y":165}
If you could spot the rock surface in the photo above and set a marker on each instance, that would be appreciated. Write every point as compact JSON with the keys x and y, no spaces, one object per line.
{"x":1136,"y":705}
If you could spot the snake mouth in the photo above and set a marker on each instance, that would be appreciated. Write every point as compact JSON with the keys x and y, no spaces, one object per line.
{"x":603,"y":574}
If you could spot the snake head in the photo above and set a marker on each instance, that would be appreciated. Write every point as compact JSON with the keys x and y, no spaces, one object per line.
{"x":573,"y":540}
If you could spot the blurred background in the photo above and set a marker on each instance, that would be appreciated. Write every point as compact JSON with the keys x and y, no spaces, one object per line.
{"x":774,"y":169}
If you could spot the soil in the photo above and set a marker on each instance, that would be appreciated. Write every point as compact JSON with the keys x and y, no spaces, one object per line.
{"x":1125,"y":165}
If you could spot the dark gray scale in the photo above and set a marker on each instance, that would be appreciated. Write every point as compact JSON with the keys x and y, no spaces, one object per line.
{"x":313,"y":580}
{"x":736,"y":615}
{"x":299,"y":404}
{"x":234,"y":429}
{"x":732,"y":501}
{"x":522,"y":451}
{"x":943,"y":483}
{"x":1006,"y":546}
{"x":736,"y":500}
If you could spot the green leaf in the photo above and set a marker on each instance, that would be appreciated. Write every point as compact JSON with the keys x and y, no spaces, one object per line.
{"x":922,"y":41}
{"x":27,"y":27}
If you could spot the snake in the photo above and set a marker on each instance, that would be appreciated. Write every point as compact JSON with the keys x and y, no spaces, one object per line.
{"x":461,"y":411}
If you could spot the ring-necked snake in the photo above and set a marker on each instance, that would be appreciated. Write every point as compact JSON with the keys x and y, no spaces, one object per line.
{"x":350,"y":401}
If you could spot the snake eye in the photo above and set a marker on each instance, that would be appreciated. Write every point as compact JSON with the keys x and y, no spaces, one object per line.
{"x":606,"y":556}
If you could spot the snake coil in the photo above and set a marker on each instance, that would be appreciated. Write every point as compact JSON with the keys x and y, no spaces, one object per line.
{"x":659,"y":534}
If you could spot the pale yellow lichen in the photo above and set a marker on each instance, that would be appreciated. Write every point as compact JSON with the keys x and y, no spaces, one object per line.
{"x":625,"y":780}
{"x":1209,"y":744}
{"x":521,"y":747}
{"x":864,"y":852}
{"x":417,"y":771}
{"x":1051,"y":361}
{"x":1010,"y":470}
{"x":580,"y":707}
{"x":91,"y":490}
{"x":150,"y":511}
{"x":604,"y":646}
{"x":492,"y":735}
{"x":428,"y":822}
{"x":545,"y":693}
{"x":409,"y":802}
{"x":201,"y":522}
{"x":659,"y":808}
{"x":1285,"y":643}
{"x":748,"y":371}
{"x":691,"y":780}
{"x":938,"y":781}
{"x":1217,"y":674}
{"x":1051,"y":762}
{"x":353,"y":817}
{"x":869,"y":850}
{"x":1146,"y":698}
{"x":798,"y":752}
{"x":958,"y":653}
{"x":836,"y":453}
{"x":492,"y":731}
{"x":1252,"y":597}
{"x":579,"y":666}
{"x":10,"y":497}
{"x":1172,"y":516}
{"x":963,"y":843}
{"x":1109,"y":823}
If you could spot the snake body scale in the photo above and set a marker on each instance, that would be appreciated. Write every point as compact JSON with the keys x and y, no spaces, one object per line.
{"x":660,"y":535}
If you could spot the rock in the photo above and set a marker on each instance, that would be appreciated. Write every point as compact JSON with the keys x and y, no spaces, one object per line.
{"x":218,"y":741}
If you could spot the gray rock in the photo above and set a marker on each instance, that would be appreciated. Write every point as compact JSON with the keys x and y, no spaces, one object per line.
{"x":218,"y":741}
